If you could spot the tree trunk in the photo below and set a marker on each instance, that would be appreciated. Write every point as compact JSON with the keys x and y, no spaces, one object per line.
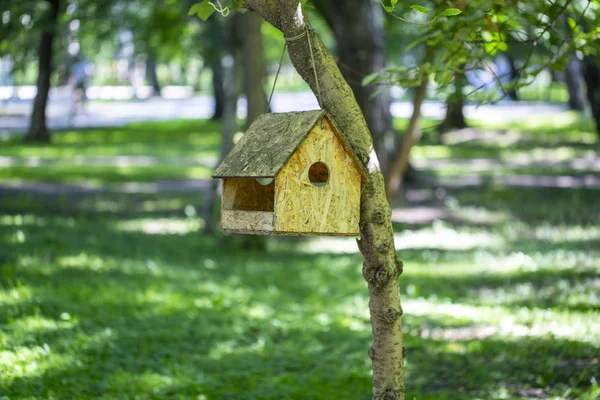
{"x":591,"y":73}
{"x":215,"y":42}
{"x":410,"y":138}
{"x":358,"y":26}
{"x":574,"y":81}
{"x":38,"y":131}
{"x":455,"y":103}
{"x":381,"y":267}
{"x":455,"y":119}
{"x":514,"y":77}
{"x":229,"y":118}
{"x":151,"y":74}
{"x":216,"y":67}
{"x":254,"y":66}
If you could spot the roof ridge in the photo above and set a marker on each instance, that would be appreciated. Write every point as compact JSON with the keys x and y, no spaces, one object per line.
{"x":270,"y":142}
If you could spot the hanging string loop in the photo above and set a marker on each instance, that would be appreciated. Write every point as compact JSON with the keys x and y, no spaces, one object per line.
{"x":312,"y":58}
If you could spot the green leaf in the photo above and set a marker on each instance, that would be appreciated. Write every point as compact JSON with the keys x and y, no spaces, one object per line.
{"x":367,"y":80}
{"x":391,"y":8}
{"x":491,"y":48}
{"x":203,"y":10}
{"x":420,"y":9}
{"x":376,"y":92}
{"x":449,"y":12}
{"x":420,"y":40}
{"x":443,"y":76}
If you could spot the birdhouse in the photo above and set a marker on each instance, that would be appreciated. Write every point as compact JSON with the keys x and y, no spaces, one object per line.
{"x":291,"y":174}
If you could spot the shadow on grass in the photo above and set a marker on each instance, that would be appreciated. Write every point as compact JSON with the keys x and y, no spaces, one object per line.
{"x":495,"y":367}
{"x":137,"y":335}
{"x":529,"y":204}
{"x":565,"y":290}
{"x":126,"y":314}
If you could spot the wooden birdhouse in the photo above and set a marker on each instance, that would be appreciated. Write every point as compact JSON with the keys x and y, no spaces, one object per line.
{"x":291,"y":174}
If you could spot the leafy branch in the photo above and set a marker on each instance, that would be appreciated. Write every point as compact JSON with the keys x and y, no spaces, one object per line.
{"x":448,"y":12}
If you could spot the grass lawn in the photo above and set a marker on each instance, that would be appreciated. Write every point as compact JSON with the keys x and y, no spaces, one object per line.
{"x":112,"y":293}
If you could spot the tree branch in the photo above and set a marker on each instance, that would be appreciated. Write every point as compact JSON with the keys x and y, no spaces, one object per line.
{"x":268,"y":9}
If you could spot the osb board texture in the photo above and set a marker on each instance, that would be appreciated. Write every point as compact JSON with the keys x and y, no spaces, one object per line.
{"x":268,"y":144}
{"x":332,"y":209}
{"x":246,"y":194}
{"x":247,"y":221}
{"x":361,"y":168}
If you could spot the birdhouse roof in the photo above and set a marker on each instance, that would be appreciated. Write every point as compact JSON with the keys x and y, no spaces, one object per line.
{"x":270,"y":142}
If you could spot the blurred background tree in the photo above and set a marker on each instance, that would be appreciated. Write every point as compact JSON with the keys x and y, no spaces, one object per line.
{"x":481,"y":32}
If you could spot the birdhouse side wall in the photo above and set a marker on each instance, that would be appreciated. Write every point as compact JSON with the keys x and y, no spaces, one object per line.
{"x":332,"y":209}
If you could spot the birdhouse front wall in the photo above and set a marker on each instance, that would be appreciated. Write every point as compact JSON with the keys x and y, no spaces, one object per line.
{"x":331,"y":208}
{"x":247,"y":206}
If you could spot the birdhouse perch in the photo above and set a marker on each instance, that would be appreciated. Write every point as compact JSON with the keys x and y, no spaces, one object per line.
{"x":291,"y":174}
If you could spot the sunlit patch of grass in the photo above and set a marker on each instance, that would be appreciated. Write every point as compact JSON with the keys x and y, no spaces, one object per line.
{"x":165,"y":145}
{"x":163,"y":226}
{"x":440,"y":236}
{"x":30,"y":361}
{"x":102,"y":174}
{"x":563,"y":126}
{"x":15,"y":295}
{"x":509,"y":153}
{"x":27,"y":331}
{"x":553,"y":92}
{"x":159,"y":139}
{"x":509,"y":321}
{"x":561,"y":234}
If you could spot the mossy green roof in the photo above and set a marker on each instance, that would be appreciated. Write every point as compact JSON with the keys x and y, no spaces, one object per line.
{"x":268,"y":144}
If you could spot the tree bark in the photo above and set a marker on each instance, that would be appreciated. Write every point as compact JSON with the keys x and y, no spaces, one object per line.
{"x":151,"y":74}
{"x":254,"y":66}
{"x":574,"y":81}
{"x":410,"y":138}
{"x":514,"y":76}
{"x":38,"y":131}
{"x":358,"y":26}
{"x":591,"y":73}
{"x":455,"y":119}
{"x":214,"y":58}
{"x":218,"y":87}
{"x":381,"y":268}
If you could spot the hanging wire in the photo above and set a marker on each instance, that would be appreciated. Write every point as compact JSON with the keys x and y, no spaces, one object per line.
{"x":312,"y":58}
{"x":276,"y":76}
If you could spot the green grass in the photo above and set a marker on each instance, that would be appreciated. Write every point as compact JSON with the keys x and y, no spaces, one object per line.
{"x":157,"y":139}
{"x":98,"y":174}
{"x":116,"y":295}
{"x":556,"y":92}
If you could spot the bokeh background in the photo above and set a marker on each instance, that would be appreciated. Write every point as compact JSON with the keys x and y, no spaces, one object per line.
{"x":116,"y":283}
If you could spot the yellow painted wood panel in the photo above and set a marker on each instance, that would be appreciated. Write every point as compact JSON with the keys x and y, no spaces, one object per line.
{"x":330,"y":209}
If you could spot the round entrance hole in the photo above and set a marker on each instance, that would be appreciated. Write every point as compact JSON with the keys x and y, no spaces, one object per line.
{"x":318,"y":174}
